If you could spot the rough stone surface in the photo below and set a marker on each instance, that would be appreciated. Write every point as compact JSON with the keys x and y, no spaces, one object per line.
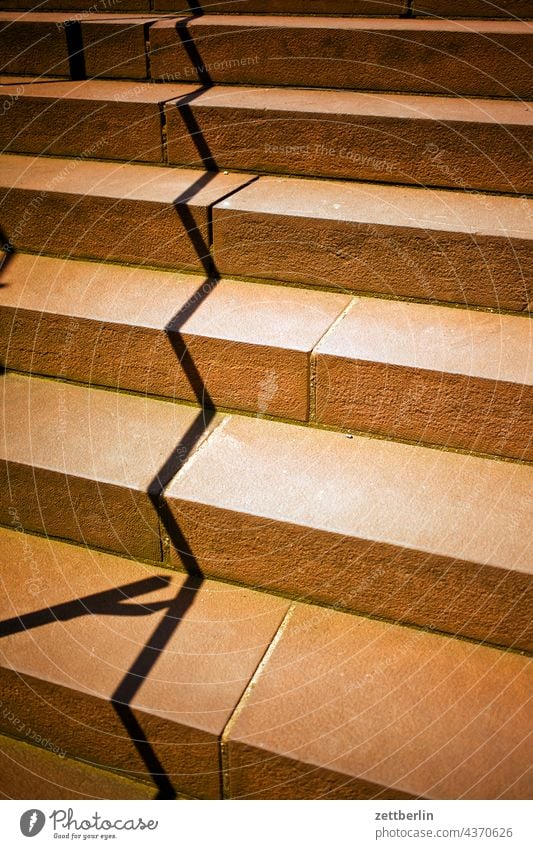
{"x":471,"y":58}
{"x":459,"y":378}
{"x":452,"y":142}
{"x":407,"y":242}
{"x":128,"y":213}
{"x":34,"y":44}
{"x":414,"y":534}
{"x":233,"y":344}
{"x":351,"y":708}
{"x":78,"y":463}
{"x":37,"y":772}
{"x":178,"y":670}
{"x":99,"y":120}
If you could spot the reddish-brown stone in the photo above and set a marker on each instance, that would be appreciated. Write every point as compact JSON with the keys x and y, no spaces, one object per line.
{"x":100,"y":120}
{"x":129,"y":213}
{"x":33,"y":772}
{"x":115,"y":45}
{"x":459,"y":378}
{"x":286,"y":7}
{"x":78,"y":463}
{"x":408,"y":242}
{"x":459,"y":143}
{"x":83,"y":7}
{"x":352,"y":708}
{"x":474,"y":8}
{"x":481,"y":58}
{"x":60,"y":677}
{"x":414,"y":534}
{"x":34,"y":44}
{"x":235,"y":344}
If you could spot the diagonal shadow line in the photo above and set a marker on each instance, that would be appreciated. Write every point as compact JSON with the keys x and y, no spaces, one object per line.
{"x":7,"y":249}
{"x":183,"y":105}
{"x":140,"y":670}
{"x":75,"y":50}
{"x":195,"y":7}
{"x":107,"y":603}
{"x":144,"y":663}
{"x":190,"y":47}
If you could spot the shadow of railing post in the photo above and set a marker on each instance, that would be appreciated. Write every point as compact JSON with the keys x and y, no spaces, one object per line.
{"x":177,"y":607}
{"x":147,"y":658}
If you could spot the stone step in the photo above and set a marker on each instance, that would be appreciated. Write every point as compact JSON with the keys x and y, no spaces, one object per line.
{"x":418,"y":535}
{"x":459,"y":378}
{"x":412,"y":139}
{"x":457,"y":247}
{"x":130,"y":213}
{"x":422,"y":55}
{"x":232,"y":344}
{"x":89,"y":464}
{"x":212,"y":7}
{"x":520,"y":9}
{"x":153,"y":706}
{"x":412,"y":534}
{"x":62,"y":44}
{"x":215,"y":690}
{"x":101,"y":119}
{"x":350,"y":708}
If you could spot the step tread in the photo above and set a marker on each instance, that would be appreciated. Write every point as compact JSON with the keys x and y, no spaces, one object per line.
{"x":463,"y":507}
{"x":283,"y":99}
{"x":118,"y":91}
{"x":89,"y":433}
{"x":389,"y":105}
{"x":316,"y":22}
{"x":243,"y":312}
{"x":476,"y":344}
{"x":110,"y":180}
{"x":353,"y":707}
{"x":215,"y":638}
{"x":391,"y":206}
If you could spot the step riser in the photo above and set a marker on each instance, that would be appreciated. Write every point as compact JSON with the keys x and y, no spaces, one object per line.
{"x":107,"y":130}
{"x":43,"y":772}
{"x":84,"y":46}
{"x":372,"y":578}
{"x":159,"y":238}
{"x":86,"y":511}
{"x":457,"y":63}
{"x":226,"y":374}
{"x":459,"y":411}
{"x":474,"y":585}
{"x":487,"y":271}
{"x":463,"y":156}
{"x":456,"y":411}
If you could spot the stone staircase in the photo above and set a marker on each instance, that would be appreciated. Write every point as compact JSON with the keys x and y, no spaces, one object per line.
{"x":265,"y":498}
